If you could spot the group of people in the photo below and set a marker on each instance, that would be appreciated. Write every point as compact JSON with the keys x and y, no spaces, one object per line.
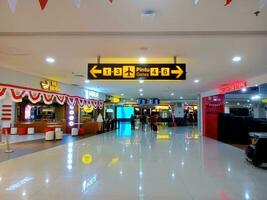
{"x":144,"y":120}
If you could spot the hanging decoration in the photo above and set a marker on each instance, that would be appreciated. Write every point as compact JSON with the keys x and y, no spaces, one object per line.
{"x":227,"y":2}
{"x":71,"y":101}
{"x":17,"y":95}
{"x":196,"y":2}
{"x":2,"y":93}
{"x":101,"y":104}
{"x":61,"y":99}
{"x":12,"y":5}
{"x":81,"y":102}
{"x":34,"y":97}
{"x":95,"y":103}
{"x":77,"y":3}
{"x":43,"y":3}
{"x":110,"y":1}
{"x":48,"y":98}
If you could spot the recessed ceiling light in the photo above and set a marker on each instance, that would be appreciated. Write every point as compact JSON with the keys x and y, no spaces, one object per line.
{"x":50,"y":60}
{"x":122,"y":94}
{"x":141,"y":81}
{"x":87,"y":81}
{"x":172,"y":94}
{"x":142,"y":60}
{"x":141,"y":90}
{"x":237,"y":59}
{"x":141,"y":94}
{"x":196,"y":81}
{"x":181,"y":97}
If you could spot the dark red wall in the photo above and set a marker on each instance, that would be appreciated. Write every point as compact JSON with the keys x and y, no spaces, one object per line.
{"x":211,"y":107}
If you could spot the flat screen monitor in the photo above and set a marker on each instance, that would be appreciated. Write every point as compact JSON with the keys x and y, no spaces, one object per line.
{"x":125,"y":112}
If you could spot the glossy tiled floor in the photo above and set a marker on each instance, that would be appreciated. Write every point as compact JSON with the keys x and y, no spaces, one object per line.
{"x":174,"y":164}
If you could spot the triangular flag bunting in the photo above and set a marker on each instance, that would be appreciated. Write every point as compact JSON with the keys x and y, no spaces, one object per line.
{"x":77,"y":3}
{"x":263,"y":3}
{"x":110,"y":1}
{"x":196,"y":2}
{"x":227,"y":2}
{"x":43,"y":3}
{"x":12,"y":5}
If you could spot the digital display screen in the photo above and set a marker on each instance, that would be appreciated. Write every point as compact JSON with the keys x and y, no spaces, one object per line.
{"x":125,"y":112}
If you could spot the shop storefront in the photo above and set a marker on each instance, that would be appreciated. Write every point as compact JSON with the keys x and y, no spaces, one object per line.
{"x":46,"y":108}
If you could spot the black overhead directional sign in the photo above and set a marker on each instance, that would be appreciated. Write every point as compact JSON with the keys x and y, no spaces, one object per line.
{"x":137,"y":71}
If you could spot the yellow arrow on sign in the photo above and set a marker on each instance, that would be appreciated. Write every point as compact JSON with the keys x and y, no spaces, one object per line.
{"x":95,"y":71}
{"x":179,"y":72}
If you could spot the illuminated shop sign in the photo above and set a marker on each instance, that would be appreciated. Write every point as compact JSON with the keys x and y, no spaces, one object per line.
{"x":50,"y":85}
{"x":137,"y":71}
{"x":91,"y":94}
{"x":234,"y":86}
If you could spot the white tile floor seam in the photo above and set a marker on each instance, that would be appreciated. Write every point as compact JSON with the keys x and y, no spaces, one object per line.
{"x":135,"y":165}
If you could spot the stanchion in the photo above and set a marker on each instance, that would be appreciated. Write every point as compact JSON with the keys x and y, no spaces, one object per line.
{"x":8,"y":150}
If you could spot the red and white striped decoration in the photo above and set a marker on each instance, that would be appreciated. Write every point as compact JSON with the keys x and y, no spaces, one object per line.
{"x":17,"y":93}
{"x":6,"y":113}
{"x":48,"y":98}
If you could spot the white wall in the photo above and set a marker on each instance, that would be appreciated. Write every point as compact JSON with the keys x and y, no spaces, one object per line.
{"x":8,"y":76}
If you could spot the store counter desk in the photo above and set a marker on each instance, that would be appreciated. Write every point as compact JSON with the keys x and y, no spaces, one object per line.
{"x":90,"y":127}
{"x":39,"y":126}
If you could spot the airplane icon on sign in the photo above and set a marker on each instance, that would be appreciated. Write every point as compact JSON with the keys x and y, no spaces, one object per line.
{"x":129,"y":72}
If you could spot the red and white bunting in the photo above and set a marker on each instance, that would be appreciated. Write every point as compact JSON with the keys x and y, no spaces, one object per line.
{"x":12,"y":5}
{"x":110,"y":1}
{"x":34,"y":96}
{"x":71,"y":101}
{"x":43,"y":4}
{"x":2,"y":93}
{"x":61,"y":99}
{"x":17,"y":95}
{"x":89,"y":103}
{"x":48,"y":98}
{"x":227,"y":2}
{"x":95,"y":103}
{"x":81,"y":102}
{"x":100,"y":104}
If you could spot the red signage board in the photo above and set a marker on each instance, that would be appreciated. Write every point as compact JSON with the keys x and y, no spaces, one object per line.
{"x":233,"y":86}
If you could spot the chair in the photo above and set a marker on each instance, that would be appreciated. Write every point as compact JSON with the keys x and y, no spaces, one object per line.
{"x":58,"y":135}
{"x":30,"y":131}
{"x":22,"y":131}
{"x":13,"y":131}
{"x":49,"y":135}
{"x":74,"y":131}
{"x":57,"y":129}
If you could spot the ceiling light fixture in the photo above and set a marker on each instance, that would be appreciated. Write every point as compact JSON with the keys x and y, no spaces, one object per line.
{"x":122,"y":94}
{"x":50,"y":60}
{"x":87,"y":81}
{"x":196,"y":81}
{"x":181,"y":97}
{"x":172,"y":94}
{"x":236,"y":59}
{"x":141,"y":81}
{"x":141,"y":90}
{"x":142,"y":60}
{"x":149,"y":13}
{"x":244,"y":89}
{"x":141,"y":94}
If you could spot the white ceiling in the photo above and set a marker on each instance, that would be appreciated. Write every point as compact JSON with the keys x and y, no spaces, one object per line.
{"x":207,"y":36}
